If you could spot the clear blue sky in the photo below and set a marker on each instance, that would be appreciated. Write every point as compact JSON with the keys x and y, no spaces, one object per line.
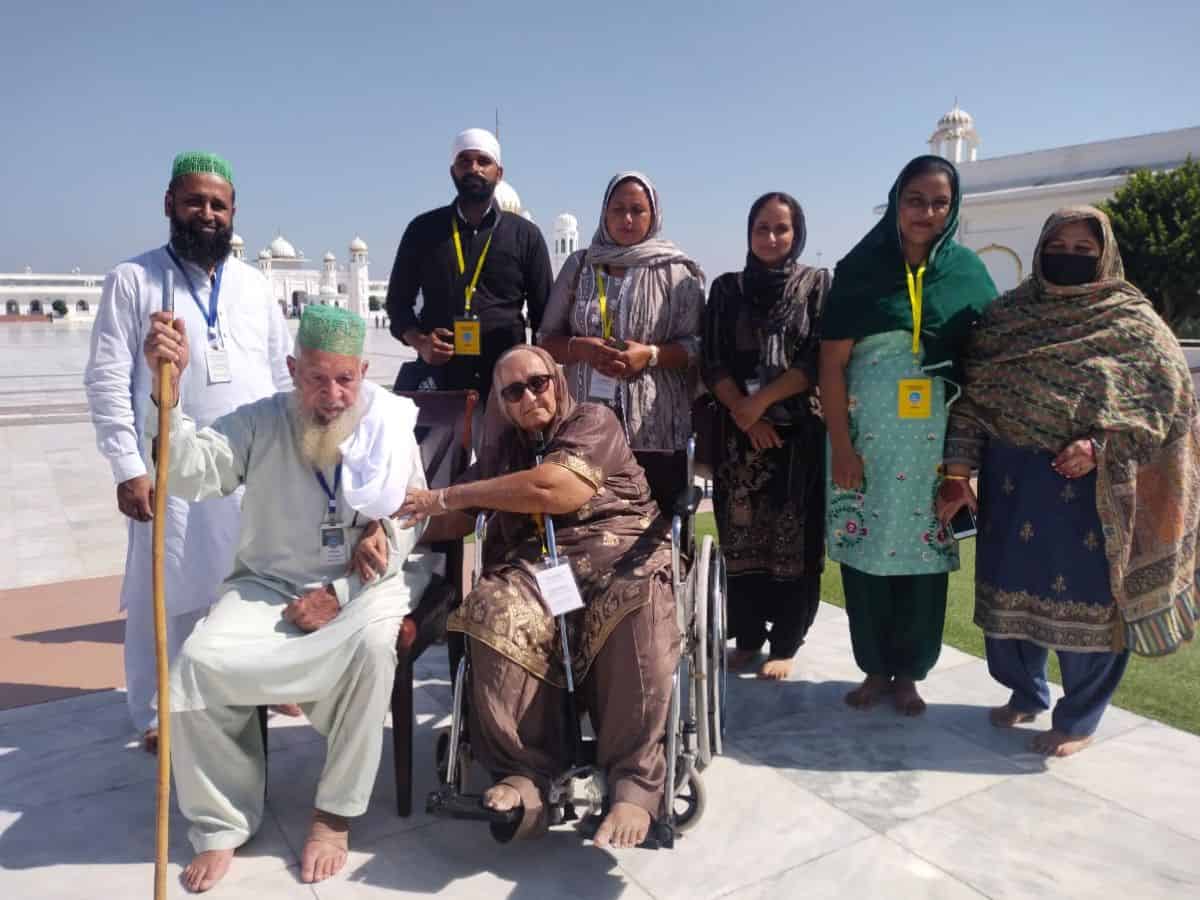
{"x":338,"y":117}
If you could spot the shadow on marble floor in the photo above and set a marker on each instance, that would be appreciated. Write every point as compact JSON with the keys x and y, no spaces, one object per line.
{"x":110,"y":632}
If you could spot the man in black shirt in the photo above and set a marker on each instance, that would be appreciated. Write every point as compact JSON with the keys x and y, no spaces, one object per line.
{"x":475,"y":267}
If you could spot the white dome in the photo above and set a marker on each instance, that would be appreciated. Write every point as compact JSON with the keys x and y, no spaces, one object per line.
{"x":358,"y":245}
{"x":264,"y":253}
{"x":236,"y":240}
{"x":566,"y":222}
{"x":329,"y":257}
{"x":507,"y":198}
{"x":957,"y":120}
{"x":281,"y":249}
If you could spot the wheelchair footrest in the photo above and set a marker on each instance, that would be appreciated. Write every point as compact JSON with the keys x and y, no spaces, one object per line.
{"x":468,"y":806}
{"x":661,"y":835}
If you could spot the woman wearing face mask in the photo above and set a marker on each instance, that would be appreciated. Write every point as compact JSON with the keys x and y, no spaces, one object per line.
{"x":624,"y":318}
{"x":902,"y":304}
{"x":760,"y":362}
{"x":1079,"y":412}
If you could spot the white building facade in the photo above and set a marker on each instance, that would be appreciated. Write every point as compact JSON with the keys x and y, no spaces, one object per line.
{"x":1007,"y":199}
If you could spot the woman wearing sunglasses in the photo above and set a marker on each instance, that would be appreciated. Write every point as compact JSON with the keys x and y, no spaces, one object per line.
{"x":624,"y":641}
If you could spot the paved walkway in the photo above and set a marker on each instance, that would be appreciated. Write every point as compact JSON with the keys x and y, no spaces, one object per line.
{"x":812,"y":800}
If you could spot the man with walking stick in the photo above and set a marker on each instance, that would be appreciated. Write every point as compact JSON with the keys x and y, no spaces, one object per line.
{"x":238,"y":334}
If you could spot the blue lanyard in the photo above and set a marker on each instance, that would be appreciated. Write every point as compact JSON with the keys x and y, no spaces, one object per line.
{"x":331,"y":512}
{"x":210,"y":315}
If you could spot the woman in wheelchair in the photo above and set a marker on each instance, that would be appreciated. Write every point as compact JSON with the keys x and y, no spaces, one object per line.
{"x":624,"y":641}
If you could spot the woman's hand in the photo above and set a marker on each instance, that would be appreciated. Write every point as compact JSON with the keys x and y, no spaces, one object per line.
{"x":1076,"y":460}
{"x":600,"y":355}
{"x":370,"y":558}
{"x":763,"y":436}
{"x":634,"y":358}
{"x":419,"y":505}
{"x":747,"y":412}
{"x":953,"y":495}
{"x":847,"y":470}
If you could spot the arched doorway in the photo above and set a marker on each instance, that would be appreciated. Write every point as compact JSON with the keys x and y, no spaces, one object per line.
{"x":1004,"y":265}
{"x":12,"y":308}
{"x":82,"y":306}
{"x":35,"y":307}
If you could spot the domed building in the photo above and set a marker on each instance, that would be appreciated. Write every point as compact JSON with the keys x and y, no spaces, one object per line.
{"x":564,"y":241}
{"x":296,"y":282}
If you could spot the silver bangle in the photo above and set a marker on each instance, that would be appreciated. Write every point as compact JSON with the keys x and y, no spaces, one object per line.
{"x":442,"y":499}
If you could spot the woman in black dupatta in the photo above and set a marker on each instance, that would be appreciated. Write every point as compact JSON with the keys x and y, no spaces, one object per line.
{"x":761,"y":343}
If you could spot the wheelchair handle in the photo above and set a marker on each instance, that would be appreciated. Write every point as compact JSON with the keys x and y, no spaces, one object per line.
{"x":481,"y":521}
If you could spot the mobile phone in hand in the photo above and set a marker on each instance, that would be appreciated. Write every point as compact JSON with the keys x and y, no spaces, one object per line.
{"x":963,"y":524}
{"x":618,"y":344}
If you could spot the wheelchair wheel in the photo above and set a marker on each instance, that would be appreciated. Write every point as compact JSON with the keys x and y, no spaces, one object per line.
{"x":688,"y":801}
{"x":700,"y":658}
{"x":442,"y":759}
{"x":714,"y":640}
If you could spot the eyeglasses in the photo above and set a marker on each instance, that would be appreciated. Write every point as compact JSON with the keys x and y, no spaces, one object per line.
{"x":920,"y":204}
{"x":536,"y":385}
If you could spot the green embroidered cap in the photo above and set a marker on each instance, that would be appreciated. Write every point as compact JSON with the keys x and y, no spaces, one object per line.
{"x":195,"y":161}
{"x":332,"y":329}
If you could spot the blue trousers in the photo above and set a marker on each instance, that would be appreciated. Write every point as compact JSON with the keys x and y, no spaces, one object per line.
{"x":1089,"y":681}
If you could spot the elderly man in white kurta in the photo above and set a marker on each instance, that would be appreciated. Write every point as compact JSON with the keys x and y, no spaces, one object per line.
{"x":324,"y":467}
{"x":249,"y":334}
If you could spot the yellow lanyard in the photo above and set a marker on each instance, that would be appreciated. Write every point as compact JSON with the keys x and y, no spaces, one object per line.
{"x":914,"y":298}
{"x":605,"y":321}
{"x":462,"y":265}
{"x":539,"y":522}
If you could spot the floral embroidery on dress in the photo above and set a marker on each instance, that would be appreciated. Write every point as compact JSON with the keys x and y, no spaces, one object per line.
{"x":1027,"y":532}
{"x":1091,"y":541}
{"x":1068,"y":493}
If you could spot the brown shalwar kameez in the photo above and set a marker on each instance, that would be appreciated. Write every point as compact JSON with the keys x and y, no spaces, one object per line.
{"x":624,"y":642}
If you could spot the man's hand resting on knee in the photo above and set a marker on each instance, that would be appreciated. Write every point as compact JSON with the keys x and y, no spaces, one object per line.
{"x":312,"y":610}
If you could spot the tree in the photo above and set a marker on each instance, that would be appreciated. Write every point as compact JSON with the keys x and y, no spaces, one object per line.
{"x":59,"y":307}
{"x":1156,"y":217}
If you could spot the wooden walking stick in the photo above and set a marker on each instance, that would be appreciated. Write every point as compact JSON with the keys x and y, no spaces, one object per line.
{"x":166,"y":400}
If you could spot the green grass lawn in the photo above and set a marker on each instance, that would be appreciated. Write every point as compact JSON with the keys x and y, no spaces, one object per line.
{"x":1165,"y":689}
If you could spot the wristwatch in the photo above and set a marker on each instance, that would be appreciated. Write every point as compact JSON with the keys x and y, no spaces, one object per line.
{"x":653,"y":356}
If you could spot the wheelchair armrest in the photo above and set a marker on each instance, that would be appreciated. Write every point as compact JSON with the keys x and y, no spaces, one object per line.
{"x":689,"y":501}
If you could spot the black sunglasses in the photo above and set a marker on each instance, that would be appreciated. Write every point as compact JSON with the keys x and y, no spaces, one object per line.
{"x":536,"y":384}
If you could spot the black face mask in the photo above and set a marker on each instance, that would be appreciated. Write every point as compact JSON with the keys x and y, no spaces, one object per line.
{"x":1069,"y":269}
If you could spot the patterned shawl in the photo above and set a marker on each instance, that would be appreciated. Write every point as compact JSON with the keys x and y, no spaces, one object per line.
{"x":1050,"y":364}
{"x":661,"y":301}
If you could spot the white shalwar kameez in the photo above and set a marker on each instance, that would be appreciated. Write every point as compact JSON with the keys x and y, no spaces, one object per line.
{"x":201,"y":537}
{"x":244,"y":655}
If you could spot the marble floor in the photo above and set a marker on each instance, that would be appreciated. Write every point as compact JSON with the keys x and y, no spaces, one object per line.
{"x":812,"y":800}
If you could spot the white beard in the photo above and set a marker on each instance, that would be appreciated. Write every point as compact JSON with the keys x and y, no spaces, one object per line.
{"x":318,"y":443}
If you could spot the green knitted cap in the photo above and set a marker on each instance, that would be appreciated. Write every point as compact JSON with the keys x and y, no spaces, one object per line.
{"x":332,"y":329}
{"x":196,"y":161}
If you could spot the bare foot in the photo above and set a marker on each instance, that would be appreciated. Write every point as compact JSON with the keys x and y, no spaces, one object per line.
{"x":868,"y":693}
{"x":206,"y":870}
{"x":908,"y":701}
{"x":291,"y":710}
{"x":1055,"y":743}
{"x":775,"y":670}
{"x":625,"y":826}
{"x":326,"y":847}
{"x":739,"y":659}
{"x":150,"y":741}
{"x":501,"y":797}
{"x":1006,"y":717}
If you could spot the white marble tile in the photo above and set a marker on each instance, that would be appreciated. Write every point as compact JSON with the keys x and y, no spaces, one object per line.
{"x":1153,"y":771}
{"x":756,"y":823}
{"x":47,"y":776}
{"x":103,"y":845}
{"x":460,"y":859}
{"x":72,"y":706}
{"x":1036,"y":836}
{"x":959,"y":700}
{"x":878,"y":766}
{"x":876,"y":867}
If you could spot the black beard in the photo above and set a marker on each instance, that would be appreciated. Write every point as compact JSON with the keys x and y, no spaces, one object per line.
{"x":474,"y":188}
{"x":205,"y":250}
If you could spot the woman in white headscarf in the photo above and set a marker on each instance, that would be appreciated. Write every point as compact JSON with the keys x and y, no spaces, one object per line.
{"x":624,"y":318}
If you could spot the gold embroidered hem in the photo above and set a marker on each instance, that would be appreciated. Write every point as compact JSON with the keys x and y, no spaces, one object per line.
{"x":1055,"y":624}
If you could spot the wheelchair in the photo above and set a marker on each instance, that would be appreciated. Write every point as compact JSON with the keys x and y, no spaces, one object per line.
{"x":695,"y":721}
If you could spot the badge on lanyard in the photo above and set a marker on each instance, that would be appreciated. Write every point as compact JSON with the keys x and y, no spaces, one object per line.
{"x":560,"y":593}
{"x":333,"y":532}
{"x":216,"y":357}
{"x":468,"y":339}
{"x":915,"y":398}
{"x":601,"y":388}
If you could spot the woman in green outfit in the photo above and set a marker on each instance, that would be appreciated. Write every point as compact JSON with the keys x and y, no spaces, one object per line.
{"x":902,"y":304}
